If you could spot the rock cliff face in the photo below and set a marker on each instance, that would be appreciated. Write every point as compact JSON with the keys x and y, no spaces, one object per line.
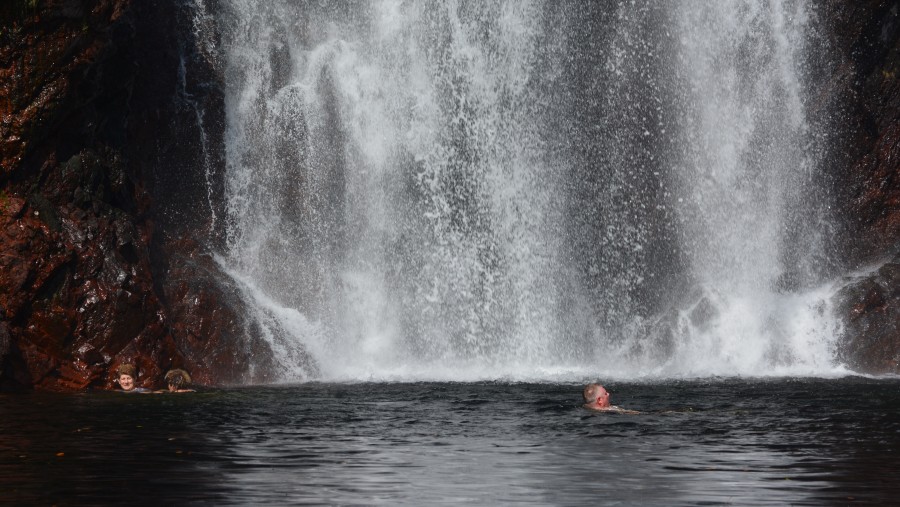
{"x":104,"y":219}
{"x":861,"y":93}
{"x":110,"y":146}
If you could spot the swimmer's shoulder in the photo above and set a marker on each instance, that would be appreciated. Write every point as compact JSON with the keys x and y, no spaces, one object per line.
{"x":614,"y":409}
{"x":620,"y":410}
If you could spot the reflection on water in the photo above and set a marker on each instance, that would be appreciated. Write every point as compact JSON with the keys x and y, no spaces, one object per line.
{"x":743,"y":442}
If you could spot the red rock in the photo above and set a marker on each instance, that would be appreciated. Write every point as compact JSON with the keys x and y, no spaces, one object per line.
{"x":82,"y":264}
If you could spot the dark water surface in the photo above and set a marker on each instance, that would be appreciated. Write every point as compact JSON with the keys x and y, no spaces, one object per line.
{"x":709,"y":442}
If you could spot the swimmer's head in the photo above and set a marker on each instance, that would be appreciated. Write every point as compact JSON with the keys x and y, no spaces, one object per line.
{"x":177,"y":379}
{"x":125,"y":375}
{"x":595,"y":393}
{"x":126,"y":369}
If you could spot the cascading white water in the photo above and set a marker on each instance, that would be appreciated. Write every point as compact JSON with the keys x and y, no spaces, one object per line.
{"x":747,"y":137}
{"x":499,"y":189}
{"x":745,"y":183}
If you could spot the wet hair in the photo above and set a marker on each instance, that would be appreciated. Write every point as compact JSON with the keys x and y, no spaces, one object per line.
{"x":178,"y":378}
{"x":126,"y":369}
{"x":590,"y":392}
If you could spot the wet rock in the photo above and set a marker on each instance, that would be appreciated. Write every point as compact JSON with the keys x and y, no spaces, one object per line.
{"x":858,"y":106}
{"x":209,"y":323}
{"x":97,"y":141}
{"x":703,"y":314}
{"x":870,"y":306}
{"x":694,"y":313}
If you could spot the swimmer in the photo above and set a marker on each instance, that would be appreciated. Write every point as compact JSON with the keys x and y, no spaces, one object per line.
{"x":126,"y":373}
{"x":597,"y":398}
{"x":178,"y":381}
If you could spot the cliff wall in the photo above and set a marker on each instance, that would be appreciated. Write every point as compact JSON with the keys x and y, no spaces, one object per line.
{"x":860,"y":100}
{"x":105,"y":220}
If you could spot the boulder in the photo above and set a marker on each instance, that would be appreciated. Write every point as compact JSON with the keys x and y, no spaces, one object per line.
{"x":870,"y":307}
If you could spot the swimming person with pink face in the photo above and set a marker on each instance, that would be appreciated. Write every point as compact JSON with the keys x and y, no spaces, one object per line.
{"x":596,"y":397}
{"x":126,"y":374}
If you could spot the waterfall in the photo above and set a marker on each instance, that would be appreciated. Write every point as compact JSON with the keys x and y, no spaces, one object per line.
{"x":461,"y":190}
{"x":751,"y":211}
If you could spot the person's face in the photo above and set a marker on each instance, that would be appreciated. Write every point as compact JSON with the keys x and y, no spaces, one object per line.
{"x":126,"y":382}
{"x":602,"y":397}
{"x":172,"y":388}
